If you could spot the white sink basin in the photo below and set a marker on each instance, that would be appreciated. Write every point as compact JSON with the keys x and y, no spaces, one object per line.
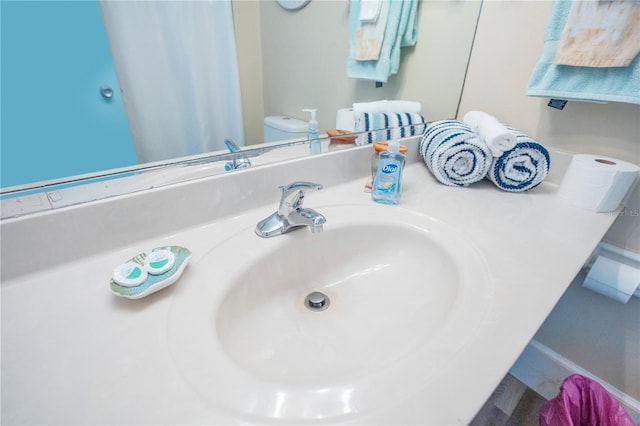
{"x":475,"y":271}
{"x":399,"y":285}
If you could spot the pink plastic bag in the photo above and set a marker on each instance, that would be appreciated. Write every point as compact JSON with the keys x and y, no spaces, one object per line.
{"x":583,"y":402}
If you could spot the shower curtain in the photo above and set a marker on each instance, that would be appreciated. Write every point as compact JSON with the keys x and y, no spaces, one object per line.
{"x":178,"y":71}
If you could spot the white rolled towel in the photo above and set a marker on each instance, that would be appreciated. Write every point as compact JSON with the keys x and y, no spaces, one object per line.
{"x":496,"y":135}
{"x":473,"y":118}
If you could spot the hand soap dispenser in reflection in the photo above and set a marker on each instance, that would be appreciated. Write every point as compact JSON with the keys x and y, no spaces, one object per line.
{"x":387,"y":184}
{"x":314,"y":143}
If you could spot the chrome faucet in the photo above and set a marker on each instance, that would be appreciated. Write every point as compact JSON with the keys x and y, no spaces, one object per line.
{"x":238,"y":163}
{"x":290,"y":213}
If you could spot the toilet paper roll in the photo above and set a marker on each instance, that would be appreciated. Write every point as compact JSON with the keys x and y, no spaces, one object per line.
{"x":597,"y":183}
{"x":613,"y":279}
{"x":345,"y":119}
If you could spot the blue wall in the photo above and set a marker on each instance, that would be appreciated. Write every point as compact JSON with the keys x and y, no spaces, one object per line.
{"x":54,"y":122}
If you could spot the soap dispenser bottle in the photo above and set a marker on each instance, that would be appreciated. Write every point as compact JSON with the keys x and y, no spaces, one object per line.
{"x":312,"y":134}
{"x":387,"y":184}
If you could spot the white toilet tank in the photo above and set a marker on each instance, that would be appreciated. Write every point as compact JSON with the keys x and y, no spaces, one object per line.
{"x":281,"y":127}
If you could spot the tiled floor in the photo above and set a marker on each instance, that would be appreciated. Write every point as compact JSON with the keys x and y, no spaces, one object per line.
{"x":511,"y":404}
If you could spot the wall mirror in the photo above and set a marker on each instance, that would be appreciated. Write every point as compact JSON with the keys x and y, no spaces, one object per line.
{"x":63,"y":72}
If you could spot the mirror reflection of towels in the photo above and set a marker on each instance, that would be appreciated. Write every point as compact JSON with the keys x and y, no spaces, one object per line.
{"x":370,"y":10}
{"x":370,"y":35}
{"x":600,"y":34}
{"x":400,"y":30}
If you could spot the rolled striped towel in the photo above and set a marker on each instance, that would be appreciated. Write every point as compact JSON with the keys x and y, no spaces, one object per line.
{"x":379,"y":127}
{"x":454,"y":154}
{"x":523,"y":167}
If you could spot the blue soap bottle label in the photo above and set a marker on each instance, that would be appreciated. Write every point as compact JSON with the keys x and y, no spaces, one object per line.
{"x":387,"y":184}
{"x":388,"y":178}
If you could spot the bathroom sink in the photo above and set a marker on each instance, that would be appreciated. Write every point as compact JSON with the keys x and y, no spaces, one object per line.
{"x":388,"y":288}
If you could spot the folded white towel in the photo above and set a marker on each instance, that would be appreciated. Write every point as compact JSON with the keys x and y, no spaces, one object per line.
{"x":375,"y":106}
{"x":370,"y":10}
{"x":495,"y":134}
{"x":404,"y":106}
{"x":386,"y":107}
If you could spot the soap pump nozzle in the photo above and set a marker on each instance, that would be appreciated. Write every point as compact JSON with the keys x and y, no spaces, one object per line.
{"x":393,"y":146}
{"x":313,"y":123}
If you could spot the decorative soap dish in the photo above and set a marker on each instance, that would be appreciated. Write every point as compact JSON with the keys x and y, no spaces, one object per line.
{"x":149,"y":272}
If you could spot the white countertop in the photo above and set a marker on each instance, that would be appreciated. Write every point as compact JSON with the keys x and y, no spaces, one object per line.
{"x":74,"y":353}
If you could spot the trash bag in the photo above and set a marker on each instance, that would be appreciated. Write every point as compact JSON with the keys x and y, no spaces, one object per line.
{"x":583,"y":402}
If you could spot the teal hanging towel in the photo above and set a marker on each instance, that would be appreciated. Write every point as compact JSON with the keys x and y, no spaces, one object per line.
{"x":377,"y":31}
{"x":580,"y":83}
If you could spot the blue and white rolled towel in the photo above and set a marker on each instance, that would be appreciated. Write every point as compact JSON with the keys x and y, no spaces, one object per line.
{"x":521,"y":168}
{"x":379,"y":127}
{"x":454,"y":154}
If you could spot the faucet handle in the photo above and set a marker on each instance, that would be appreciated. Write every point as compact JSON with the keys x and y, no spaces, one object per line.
{"x":293,"y":195}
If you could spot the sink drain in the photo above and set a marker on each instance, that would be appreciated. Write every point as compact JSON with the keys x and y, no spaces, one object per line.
{"x":317,"y":301}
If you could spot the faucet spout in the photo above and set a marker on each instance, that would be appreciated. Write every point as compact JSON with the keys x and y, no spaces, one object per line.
{"x":291,"y":214}
{"x":238,"y":163}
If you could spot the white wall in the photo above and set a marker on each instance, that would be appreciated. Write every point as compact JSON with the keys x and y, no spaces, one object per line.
{"x":246,"y":21}
{"x":596,"y":333}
